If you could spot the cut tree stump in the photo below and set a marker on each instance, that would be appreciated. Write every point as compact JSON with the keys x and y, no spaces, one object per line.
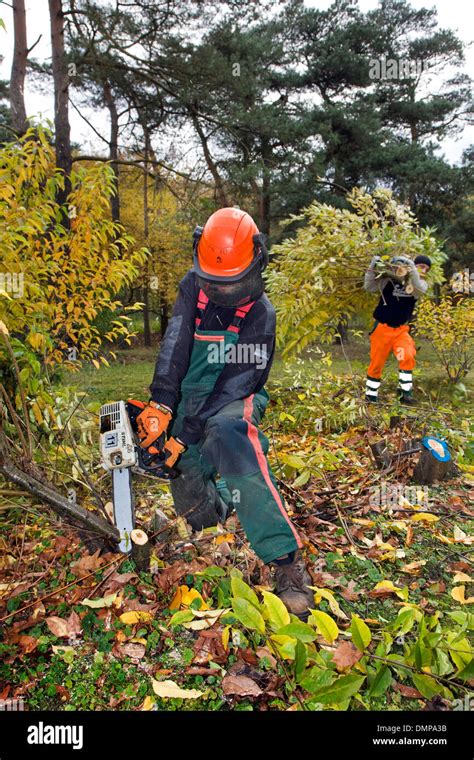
{"x":141,"y":549}
{"x":435,"y":462}
{"x":431,"y":470}
{"x":412,"y":445}
{"x":381,"y":454}
{"x":158,"y":526}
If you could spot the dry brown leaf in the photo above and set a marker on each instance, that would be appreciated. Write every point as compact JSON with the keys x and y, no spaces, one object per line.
{"x":117,"y":580}
{"x":57,"y":626}
{"x":199,"y":671}
{"x":27,"y":643}
{"x":346,"y":655}
{"x":265,"y":652}
{"x":87,"y":564}
{"x":406,"y":691}
{"x":461,"y":566}
{"x":62,"y":543}
{"x":413,"y":568}
{"x":74,"y":624}
{"x":349,"y":592}
{"x":135,"y":651}
{"x":240,"y":686}
{"x":203,"y":650}
{"x":249,"y":656}
{"x":64,"y":628}
{"x":19,"y":588}
{"x":168,"y":578}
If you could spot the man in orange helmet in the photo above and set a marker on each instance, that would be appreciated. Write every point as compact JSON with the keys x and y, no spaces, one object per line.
{"x":208,"y":392}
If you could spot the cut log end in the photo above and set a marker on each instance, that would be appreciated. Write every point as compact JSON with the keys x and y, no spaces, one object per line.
{"x":141,"y":549}
{"x":139,"y":537}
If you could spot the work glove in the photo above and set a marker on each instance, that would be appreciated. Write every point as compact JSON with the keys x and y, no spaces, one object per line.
{"x":374,"y":261}
{"x":173,"y":450}
{"x":152,"y":423}
{"x":402,"y":261}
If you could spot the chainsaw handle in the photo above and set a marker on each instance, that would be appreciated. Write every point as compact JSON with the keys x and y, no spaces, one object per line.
{"x":150,"y":460}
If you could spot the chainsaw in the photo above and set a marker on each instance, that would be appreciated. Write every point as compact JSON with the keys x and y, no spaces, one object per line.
{"x":122,"y":455}
{"x":396,"y":270}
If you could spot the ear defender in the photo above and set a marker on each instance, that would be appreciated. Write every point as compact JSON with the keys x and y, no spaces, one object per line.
{"x":196,"y":238}
{"x":260,"y":250}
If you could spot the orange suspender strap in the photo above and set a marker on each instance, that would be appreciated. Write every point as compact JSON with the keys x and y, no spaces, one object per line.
{"x":239,"y":316}
{"x":202,"y":302}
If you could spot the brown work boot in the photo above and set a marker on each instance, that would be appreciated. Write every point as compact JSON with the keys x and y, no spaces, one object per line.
{"x":292,"y":581}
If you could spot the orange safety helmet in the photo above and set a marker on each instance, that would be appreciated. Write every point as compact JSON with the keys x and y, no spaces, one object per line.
{"x":228,"y":247}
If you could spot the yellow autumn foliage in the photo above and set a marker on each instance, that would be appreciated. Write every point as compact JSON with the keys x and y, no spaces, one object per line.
{"x":57,"y":278}
{"x":169,"y":237}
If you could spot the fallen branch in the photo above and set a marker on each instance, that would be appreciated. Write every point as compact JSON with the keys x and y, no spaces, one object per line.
{"x":58,"y":502}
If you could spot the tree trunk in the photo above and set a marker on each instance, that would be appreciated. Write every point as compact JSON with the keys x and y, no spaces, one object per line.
{"x":146,"y":313}
{"x":266,"y":191}
{"x":164,"y":318}
{"x":113,"y":149}
{"x":61,"y":91}
{"x":220,"y":190}
{"x":58,"y":502}
{"x":146,"y":289}
{"x":342,"y":332}
{"x":17,"y":78}
{"x":265,"y":213}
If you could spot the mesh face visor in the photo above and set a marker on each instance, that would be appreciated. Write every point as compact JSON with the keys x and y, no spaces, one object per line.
{"x":249,"y":288}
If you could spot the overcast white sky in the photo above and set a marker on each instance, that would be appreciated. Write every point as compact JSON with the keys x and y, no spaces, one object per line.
{"x":454,"y":14}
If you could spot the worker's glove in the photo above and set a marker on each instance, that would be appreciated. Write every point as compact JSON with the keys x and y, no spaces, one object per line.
{"x":173,"y":450}
{"x":152,"y":423}
{"x":402,"y":261}
{"x":374,"y":262}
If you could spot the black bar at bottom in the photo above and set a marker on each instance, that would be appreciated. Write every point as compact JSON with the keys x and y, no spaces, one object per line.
{"x":118,"y":735}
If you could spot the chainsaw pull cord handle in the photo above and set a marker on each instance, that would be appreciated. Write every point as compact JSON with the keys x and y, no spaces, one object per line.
{"x":152,"y":423}
{"x":152,"y":458}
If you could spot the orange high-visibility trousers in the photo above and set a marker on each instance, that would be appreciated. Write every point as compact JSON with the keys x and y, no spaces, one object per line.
{"x":385,"y":339}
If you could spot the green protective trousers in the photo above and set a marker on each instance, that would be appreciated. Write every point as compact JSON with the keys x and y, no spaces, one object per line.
{"x":228,"y":468}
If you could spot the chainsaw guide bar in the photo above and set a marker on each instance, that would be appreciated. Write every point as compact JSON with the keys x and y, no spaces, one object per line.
{"x":122,"y":455}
